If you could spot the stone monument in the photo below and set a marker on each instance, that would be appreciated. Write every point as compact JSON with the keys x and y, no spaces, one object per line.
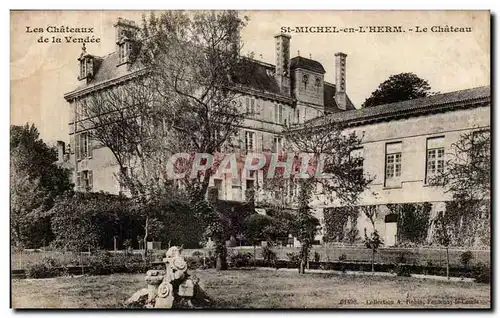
{"x":172,"y":287}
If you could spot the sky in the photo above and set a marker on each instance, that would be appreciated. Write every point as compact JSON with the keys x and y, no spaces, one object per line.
{"x":42,"y":72}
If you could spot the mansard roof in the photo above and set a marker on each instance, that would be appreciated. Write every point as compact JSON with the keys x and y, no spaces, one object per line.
{"x":307,"y":64}
{"x":330,"y":103}
{"x":437,"y":103}
{"x":261,"y":79}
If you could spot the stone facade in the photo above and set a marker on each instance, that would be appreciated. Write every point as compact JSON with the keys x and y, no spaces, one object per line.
{"x":294,"y":91}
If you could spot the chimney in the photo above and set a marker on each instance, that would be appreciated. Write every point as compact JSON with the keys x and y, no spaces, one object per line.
{"x":283,"y":62}
{"x":340,"y":80}
{"x":60,"y":150}
{"x":125,"y":38}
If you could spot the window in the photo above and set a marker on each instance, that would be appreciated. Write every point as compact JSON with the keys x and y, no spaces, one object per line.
{"x":250,"y":106}
{"x":393,"y":164}
{"x":83,"y":146}
{"x":480,"y":148}
{"x":278,"y":113}
{"x":305,"y":80}
{"x":122,"y":53}
{"x":84,"y":180}
{"x":249,"y":141}
{"x":318,"y":82}
{"x":249,"y":184}
{"x":435,"y":157}
{"x":218,"y":185}
{"x":83,"y":68}
{"x":356,"y":156}
{"x":278,"y":144}
{"x":123,"y":175}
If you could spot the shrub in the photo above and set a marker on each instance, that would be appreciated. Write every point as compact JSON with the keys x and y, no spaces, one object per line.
{"x":197,"y":254}
{"x":293,"y":257}
{"x":47,"y":267}
{"x":317,"y":257}
{"x":194,"y":262}
{"x":403,"y":270}
{"x":100,"y":264}
{"x":240,"y":259}
{"x":342,"y":257}
{"x":466,"y":257}
{"x":401,"y":259}
{"x":481,"y":272}
{"x":268,"y":254}
{"x":127,"y":244}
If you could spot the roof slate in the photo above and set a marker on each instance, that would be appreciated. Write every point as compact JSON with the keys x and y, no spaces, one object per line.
{"x":430,"y":103}
{"x":308,"y":64}
{"x":260,"y":78}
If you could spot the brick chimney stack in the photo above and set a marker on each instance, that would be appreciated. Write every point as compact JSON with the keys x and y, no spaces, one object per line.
{"x":282,"y":59}
{"x":340,"y":80}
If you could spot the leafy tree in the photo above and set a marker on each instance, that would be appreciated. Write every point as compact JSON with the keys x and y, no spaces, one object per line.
{"x":397,"y":88}
{"x":467,"y":177}
{"x":90,"y":220}
{"x":184,"y":98}
{"x":340,"y":180}
{"x":36,"y":181}
{"x":271,"y":227}
{"x":307,"y":224}
{"x":444,"y":236}
{"x":373,"y":241}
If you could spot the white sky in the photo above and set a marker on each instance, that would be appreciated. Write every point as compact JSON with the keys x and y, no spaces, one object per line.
{"x":42,"y":73}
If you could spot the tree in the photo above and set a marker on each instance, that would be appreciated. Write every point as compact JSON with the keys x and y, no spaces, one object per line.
{"x":373,"y":241}
{"x":307,"y":224}
{"x":184,"y":98}
{"x":332,"y":173}
{"x":467,"y":177}
{"x":397,"y":88}
{"x":444,"y":236}
{"x":35,"y":182}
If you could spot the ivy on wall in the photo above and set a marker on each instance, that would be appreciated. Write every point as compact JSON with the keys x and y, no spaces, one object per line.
{"x":470,"y":221}
{"x":336,"y":220}
{"x":413,"y":221}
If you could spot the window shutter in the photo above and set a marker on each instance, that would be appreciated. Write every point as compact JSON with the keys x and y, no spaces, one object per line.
{"x":258,"y":143}
{"x":89,"y":145}
{"x":91,"y":179}
{"x":77,"y":146}
{"x":78,"y":180}
{"x":72,"y":144}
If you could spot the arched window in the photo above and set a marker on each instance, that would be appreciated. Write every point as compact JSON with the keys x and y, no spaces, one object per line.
{"x":305,"y":80}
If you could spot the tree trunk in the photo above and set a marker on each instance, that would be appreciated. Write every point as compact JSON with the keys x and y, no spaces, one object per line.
{"x":303,"y":258}
{"x":373,"y":261}
{"x":220,"y":256}
{"x":145,"y":240}
{"x":302,"y":267}
{"x":447,"y":264}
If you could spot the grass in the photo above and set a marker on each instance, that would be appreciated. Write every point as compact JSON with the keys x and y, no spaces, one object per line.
{"x":258,"y":289}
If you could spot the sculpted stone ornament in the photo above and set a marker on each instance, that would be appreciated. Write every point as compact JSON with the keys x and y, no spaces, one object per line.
{"x":172,"y":287}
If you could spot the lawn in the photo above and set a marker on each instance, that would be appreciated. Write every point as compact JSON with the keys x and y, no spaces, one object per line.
{"x":258,"y":289}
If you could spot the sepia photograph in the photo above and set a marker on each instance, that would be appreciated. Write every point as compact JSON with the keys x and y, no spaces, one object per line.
{"x":208,"y":160}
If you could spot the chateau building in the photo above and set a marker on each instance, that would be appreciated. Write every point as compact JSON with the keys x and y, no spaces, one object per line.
{"x":403,"y":143}
{"x":290,"y":92}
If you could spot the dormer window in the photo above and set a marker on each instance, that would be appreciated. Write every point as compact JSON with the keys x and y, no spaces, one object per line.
{"x":124,"y":50}
{"x":86,"y":64}
{"x":83,"y":68}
